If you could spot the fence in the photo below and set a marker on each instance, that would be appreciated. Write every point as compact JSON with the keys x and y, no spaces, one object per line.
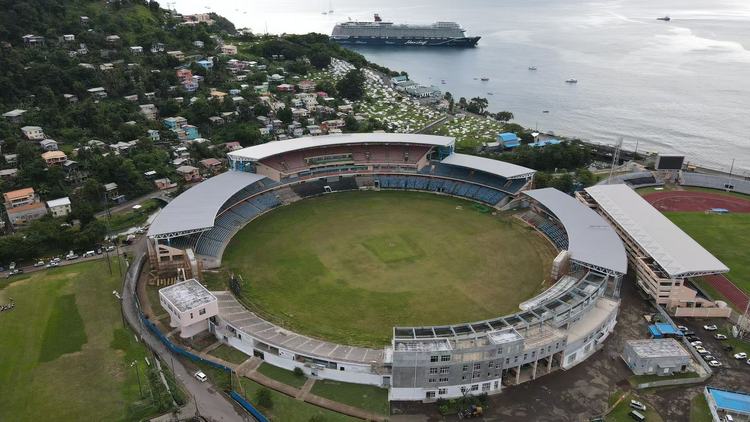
{"x":247,"y":406}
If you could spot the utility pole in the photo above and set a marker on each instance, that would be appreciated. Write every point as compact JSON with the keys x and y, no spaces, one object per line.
{"x":615,"y":160}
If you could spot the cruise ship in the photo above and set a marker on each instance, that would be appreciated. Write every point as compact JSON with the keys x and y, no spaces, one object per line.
{"x":378,"y":32}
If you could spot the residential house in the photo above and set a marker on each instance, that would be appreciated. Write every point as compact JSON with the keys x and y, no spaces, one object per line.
{"x":33,"y":133}
{"x":189,"y":173}
{"x":307,"y":85}
{"x":232,"y":146}
{"x":70,"y":98}
{"x":53,"y":158}
{"x":206,"y":64}
{"x":11,"y":159}
{"x":15,"y":116}
{"x":216,"y":120}
{"x":149,"y":111}
{"x":48,"y":145}
{"x":276,"y":78}
{"x":174,"y":122}
{"x":149,"y":95}
{"x":508,"y":140}
{"x":84,"y":20}
{"x":153,"y":134}
{"x":158,"y":47}
{"x":112,"y":193}
{"x":8,"y":174}
{"x":136,"y":49}
{"x":198,"y":44}
{"x":165,"y":183}
{"x":213,"y":165}
{"x":328,"y":125}
{"x":23,"y":206}
{"x":67,"y":38}
{"x":31,"y":40}
{"x":59,"y":207}
{"x":229,"y":49}
{"x":217,"y":95}
{"x":177,"y":54}
{"x":98,"y":92}
{"x":184,"y":75}
{"x":285,"y":88}
{"x":191,"y":86}
{"x":191,"y":132}
{"x":132,"y":98}
{"x":112,"y":39}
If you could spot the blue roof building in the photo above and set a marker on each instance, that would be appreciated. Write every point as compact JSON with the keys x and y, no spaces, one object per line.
{"x":724,"y":402}
{"x":509,"y":140}
{"x":545,"y":142}
{"x":206,"y":64}
{"x":663,"y":330}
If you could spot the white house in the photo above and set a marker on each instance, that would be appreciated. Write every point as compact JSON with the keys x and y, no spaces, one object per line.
{"x":33,"y":133}
{"x":189,"y":306}
{"x":59,"y":207}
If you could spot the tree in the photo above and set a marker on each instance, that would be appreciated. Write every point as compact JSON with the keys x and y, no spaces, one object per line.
{"x":477,"y":105}
{"x":235,"y":286}
{"x":285,"y":115}
{"x":320,"y":59}
{"x":263,"y":398}
{"x":504,"y":116}
{"x":352,"y":85}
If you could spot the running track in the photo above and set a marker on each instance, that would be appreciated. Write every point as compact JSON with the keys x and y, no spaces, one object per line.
{"x":703,"y":201}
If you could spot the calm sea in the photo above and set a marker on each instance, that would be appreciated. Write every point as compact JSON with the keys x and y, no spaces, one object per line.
{"x":679,"y":87}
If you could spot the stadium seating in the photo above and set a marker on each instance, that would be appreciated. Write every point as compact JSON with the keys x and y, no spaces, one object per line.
{"x":715,"y":182}
{"x":550,"y":229}
{"x":511,"y":186}
{"x":446,"y":186}
{"x":637,"y":180}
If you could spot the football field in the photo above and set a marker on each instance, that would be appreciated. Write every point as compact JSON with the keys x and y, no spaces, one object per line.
{"x":347,"y":267}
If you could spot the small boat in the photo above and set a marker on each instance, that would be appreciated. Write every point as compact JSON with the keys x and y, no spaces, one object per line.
{"x":571,"y":81}
{"x":490,"y":93}
{"x":545,"y":111}
{"x":323,"y":13}
{"x":442,"y":81}
{"x":665,"y":19}
{"x":532,"y":67}
{"x":485,"y":79}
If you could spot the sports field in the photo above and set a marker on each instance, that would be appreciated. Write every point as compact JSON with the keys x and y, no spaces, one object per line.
{"x":64,"y":354}
{"x":348,"y":267}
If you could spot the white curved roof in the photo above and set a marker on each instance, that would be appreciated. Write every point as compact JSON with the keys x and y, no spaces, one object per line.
{"x":676,"y":252}
{"x":591,"y":240}
{"x":195,"y":209}
{"x":488,"y":165}
{"x":269,"y":149}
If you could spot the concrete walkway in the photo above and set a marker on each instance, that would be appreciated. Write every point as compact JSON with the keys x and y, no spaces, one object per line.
{"x":303,"y":392}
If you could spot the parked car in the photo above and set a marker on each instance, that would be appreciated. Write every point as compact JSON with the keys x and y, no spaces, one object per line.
{"x":696,"y":343}
{"x":689,"y":333}
{"x":714,"y":364}
{"x":39,"y":264}
{"x":637,"y":405}
{"x":682,"y":328}
{"x":88,"y":254}
{"x":71,"y":256}
{"x":200,"y":376}
{"x":710,"y":327}
{"x":52,"y":264}
{"x":708,"y":358}
{"x":741,"y":355}
{"x":110,"y":248}
{"x":703,"y":351}
{"x":748,"y":362}
{"x":720,"y":337}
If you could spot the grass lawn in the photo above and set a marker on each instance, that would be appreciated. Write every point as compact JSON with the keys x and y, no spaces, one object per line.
{"x":367,"y":397}
{"x":287,"y":409}
{"x":282,"y":375}
{"x":229,"y":354}
{"x":725,"y":236}
{"x":65,"y":351}
{"x":642,"y":379}
{"x":620,"y":413}
{"x":699,"y":411}
{"x":348,"y":267}
{"x":132,"y":218}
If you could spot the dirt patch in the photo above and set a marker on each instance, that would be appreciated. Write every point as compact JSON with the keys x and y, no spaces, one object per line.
{"x":696,"y":201}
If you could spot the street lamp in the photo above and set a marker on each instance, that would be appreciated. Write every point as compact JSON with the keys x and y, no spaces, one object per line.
{"x":138,"y":375}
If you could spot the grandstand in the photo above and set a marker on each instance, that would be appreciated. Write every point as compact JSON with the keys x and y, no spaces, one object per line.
{"x":639,"y":179}
{"x":556,"y":330}
{"x":725,"y":183}
{"x":664,"y":257}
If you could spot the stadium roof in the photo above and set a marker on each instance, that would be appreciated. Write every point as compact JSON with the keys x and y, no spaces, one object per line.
{"x":676,"y":252}
{"x":269,"y":149}
{"x":195,"y":209}
{"x":488,"y":165}
{"x":591,"y":240}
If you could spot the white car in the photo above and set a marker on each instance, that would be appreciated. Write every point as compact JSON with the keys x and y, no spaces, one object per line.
{"x":710,"y":327}
{"x":696,"y":343}
{"x":720,"y":337}
{"x":714,"y":363}
{"x":200,"y":376}
{"x":682,"y":328}
{"x":637,"y":405}
{"x":39,"y":264}
{"x":748,"y":362}
{"x":741,"y":355}
{"x":52,"y":264}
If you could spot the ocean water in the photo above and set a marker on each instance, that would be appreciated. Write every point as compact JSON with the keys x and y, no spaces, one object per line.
{"x":674,"y":87}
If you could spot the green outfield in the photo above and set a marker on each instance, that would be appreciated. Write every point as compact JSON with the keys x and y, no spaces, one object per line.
{"x":725,"y":236}
{"x":64,"y":353}
{"x":348,"y":267}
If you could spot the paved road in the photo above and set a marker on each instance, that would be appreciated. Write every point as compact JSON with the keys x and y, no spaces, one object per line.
{"x":127,"y":205}
{"x":210,"y":403}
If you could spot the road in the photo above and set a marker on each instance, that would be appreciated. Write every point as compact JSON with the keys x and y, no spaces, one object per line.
{"x":127,"y":205}
{"x":205,"y":400}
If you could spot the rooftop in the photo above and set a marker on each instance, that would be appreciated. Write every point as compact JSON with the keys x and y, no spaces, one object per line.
{"x":19,"y":194}
{"x":676,"y":252}
{"x":14,"y":113}
{"x":488,"y":165}
{"x":269,"y":149}
{"x":591,"y":240}
{"x":187,"y":295}
{"x":733,"y":401}
{"x":58,"y":202}
{"x":196,"y":208}
{"x":657,"y":348}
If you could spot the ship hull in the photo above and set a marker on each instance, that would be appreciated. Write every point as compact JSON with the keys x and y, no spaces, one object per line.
{"x":407,"y":42}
